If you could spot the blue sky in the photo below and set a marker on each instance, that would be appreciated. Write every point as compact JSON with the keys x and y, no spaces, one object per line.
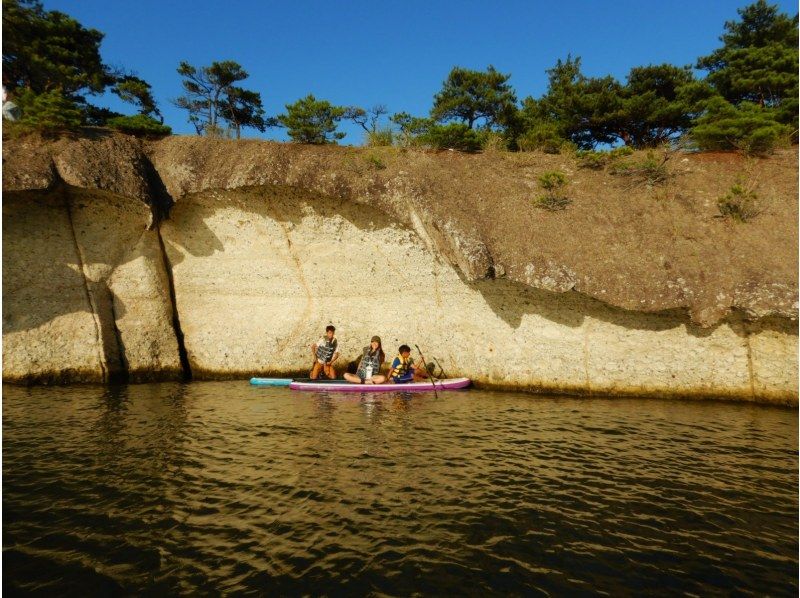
{"x":396,"y":53}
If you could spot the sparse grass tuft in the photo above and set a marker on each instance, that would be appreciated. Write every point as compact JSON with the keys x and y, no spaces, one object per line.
{"x":380,"y":137}
{"x":375,"y":161}
{"x":740,"y":204}
{"x":597,"y":160}
{"x":650,"y":170}
{"x":554,"y":199}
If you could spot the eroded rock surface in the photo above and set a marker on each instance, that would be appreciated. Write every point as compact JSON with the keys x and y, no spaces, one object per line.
{"x":630,"y":290}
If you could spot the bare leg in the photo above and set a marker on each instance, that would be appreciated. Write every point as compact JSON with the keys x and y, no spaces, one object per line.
{"x":315,"y":370}
{"x":330,"y":372}
{"x":377,"y":379}
{"x":352,"y":378}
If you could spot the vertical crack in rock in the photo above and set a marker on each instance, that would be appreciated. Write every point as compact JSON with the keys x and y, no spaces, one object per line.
{"x":176,"y":320}
{"x":89,"y":298}
{"x":750,"y":361}
{"x":124,"y":374}
{"x":586,"y":353}
{"x":309,"y":299}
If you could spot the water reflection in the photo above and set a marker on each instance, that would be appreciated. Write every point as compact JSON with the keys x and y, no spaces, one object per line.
{"x":219,"y":487}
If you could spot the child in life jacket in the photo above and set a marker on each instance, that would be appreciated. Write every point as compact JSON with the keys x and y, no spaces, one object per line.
{"x":325,"y":354}
{"x":403,"y":369}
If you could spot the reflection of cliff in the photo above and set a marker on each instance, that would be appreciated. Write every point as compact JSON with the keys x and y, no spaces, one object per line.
{"x":266,"y":243}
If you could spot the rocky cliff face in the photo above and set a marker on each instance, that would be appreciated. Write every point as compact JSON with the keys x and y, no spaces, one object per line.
{"x":150,"y":260}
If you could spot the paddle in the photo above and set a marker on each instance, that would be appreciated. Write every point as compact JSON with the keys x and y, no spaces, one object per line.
{"x":441,"y":369}
{"x":430,"y":373}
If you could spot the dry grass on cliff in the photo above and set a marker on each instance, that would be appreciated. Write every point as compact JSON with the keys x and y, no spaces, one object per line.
{"x":648,"y":235}
{"x":643,"y":233}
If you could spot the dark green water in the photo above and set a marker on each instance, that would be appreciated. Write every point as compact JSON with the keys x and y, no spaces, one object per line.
{"x":222,"y":488}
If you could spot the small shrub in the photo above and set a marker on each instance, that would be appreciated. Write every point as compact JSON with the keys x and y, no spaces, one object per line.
{"x":766,"y":140}
{"x":739,"y":204}
{"x":552,"y":203}
{"x":376,"y":161}
{"x":653,"y":170}
{"x":455,"y":136}
{"x":552,"y":182}
{"x":139,"y":124}
{"x":650,"y":170}
{"x":620,"y":152}
{"x":592,"y":160}
{"x":380,"y":137}
{"x":748,"y":127}
{"x":412,"y":129}
{"x":544,"y":137}
{"x":492,"y":141}
{"x":48,"y":111}
{"x":620,"y":168}
{"x":595,"y":160}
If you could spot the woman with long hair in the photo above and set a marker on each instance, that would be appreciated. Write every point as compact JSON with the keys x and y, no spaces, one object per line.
{"x":369,"y":367}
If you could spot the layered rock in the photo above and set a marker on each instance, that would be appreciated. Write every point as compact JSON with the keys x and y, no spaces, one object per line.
{"x":629,"y":291}
{"x":85,"y":289}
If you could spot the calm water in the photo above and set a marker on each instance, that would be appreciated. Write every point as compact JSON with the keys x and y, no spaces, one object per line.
{"x":213,"y":488}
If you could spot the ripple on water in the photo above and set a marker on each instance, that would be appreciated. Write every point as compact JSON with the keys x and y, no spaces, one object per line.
{"x":219,"y":487}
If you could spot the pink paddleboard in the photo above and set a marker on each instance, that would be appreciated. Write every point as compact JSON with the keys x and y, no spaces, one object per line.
{"x":448,"y":384}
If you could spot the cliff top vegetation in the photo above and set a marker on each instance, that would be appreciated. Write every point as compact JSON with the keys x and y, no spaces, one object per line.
{"x":746,"y":100}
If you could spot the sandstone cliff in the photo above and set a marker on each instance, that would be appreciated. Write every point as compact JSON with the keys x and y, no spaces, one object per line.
{"x":148,"y":260}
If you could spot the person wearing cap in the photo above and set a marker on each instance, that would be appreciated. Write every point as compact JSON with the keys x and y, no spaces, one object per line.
{"x":369,"y":367}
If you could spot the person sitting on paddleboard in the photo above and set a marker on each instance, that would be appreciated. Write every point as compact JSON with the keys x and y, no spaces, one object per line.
{"x":325,"y":354}
{"x":369,"y":367}
{"x":403,"y":369}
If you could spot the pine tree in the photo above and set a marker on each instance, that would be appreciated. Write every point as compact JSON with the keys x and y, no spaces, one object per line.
{"x":310,"y":120}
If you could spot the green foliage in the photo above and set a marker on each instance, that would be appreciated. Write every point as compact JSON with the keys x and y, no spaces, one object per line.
{"x":139,"y":93}
{"x":653,"y":108}
{"x":620,"y":152}
{"x":412,"y":128}
{"x":543,"y":136}
{"x":752,"y":128}
{"x":375,"y":161}
{"x":96,"y":116}
{"x":552,"y":203}
{"x":598,"y":160}
{"x":382,"y":136}
{"x":739,"y":204}
{"x":758,"y":61}
{"x":44,"y":50}
{"x":492,"y":141}
{"x":139,"y":124}
{"x":650,"y":170}
{"x":211,"y":98}
{"x":648,"y":110}
{"x":553,"y":182}
{"x":592,"y":160}
{"x":469,"y":96}
{"x":577,"y":106}
{"x":424,"y":132}
{"x":48,"y":111}
{"x":310,"y":120}
{"x":457,"y":136}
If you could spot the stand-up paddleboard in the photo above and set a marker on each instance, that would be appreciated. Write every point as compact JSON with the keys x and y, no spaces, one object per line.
{"x":270,"y":381}
{"x":287,"y":381}
{"x":340,"y":386}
